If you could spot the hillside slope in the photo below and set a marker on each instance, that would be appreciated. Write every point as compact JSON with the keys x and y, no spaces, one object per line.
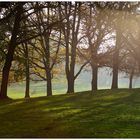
{"x":106,"y":113}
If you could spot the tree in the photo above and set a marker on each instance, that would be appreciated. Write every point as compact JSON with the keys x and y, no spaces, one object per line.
{"x":11,"y":49}
{"x":96,"y":30}
{"x":121,"y":11}
{"x":130,"y":67}
{"x":71,"y":29}
{"x":48,"y":43}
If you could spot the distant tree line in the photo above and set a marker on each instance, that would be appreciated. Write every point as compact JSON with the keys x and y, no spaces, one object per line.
{"x":37,"y":39}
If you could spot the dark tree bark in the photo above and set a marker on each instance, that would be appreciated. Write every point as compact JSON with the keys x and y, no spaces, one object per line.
{"x":11,"y":49}
{"x":70,"y":81}
{"x":116,"y":60}
{"x":27,"y":90}
{"x":49,"y":84}
{"x":69,"y":66}
{"x":94,"y":77}
{"x":48,"y":70}
{"x":94,"y":67}
{"x":115,"y":70}
{"x":131,"y":79}
{"x":48,"y":56}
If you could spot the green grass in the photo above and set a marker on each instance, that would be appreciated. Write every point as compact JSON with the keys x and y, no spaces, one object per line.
{"x":105,"y":113}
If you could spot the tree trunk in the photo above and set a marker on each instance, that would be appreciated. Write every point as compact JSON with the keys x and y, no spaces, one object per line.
{"x":116,"y":61}
{"x":131,"y":79}
{"x":49,"y":84}
{"x":27,"y":91}
{"x":70,"y":84}
{"x":9,"y":56}
{"x":48,"y":55}
{"x":94,"y":77}
{"x":115,"y":72}
{"x":48,"y":70}
{"x":71,"y":78}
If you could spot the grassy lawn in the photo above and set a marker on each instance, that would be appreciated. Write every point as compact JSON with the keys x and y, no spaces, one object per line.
{"x":105,"y":113}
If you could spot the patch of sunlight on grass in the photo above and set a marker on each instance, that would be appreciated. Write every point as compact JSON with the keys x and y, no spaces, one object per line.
{"x":115,"y":96}
{"x":19,"y":95}
{"x":16,"y":103}
{"x":56,"y":108}
{"x":15,"y":95}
